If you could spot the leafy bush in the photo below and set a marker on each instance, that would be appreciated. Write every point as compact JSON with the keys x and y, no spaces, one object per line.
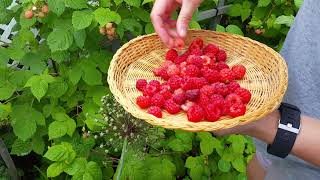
{"x":52,"y":107}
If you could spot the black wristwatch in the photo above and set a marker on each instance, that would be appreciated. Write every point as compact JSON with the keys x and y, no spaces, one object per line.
{"x":288,"y":129}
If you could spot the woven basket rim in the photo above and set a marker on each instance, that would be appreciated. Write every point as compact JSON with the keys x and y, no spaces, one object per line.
{"x":201,"y":126}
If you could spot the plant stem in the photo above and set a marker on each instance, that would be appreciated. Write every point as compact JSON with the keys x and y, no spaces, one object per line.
{"x":124,"y":151}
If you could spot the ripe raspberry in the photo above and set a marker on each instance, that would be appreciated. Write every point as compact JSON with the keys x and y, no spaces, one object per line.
{"x":156,"y":111}
{"x":181,"y":58}
{"x":141,"y":84}
{"x":166,"y":64}
{"x":220,"y":88}
{"x":216,"y":98}
{"x":195,"y":60}
{"x":195,"y":113}
{"x":186,"y":106}
{"x":239,"y":71}
{"x":161,"y":72}
{"x":211,"y":48}
{"x":221,"y":56}
{"x":157,"y":100}
{"x":222,"y":65}
{"x":207,"y":90}
{"x":179,"y":98}
{"x":211,"y":76}
{"x":193,"y":83}
{"x":192,"y":71}
{"x":195,"y":51}
{"x":155,"y":83}
{"x":244,"y":94}
{"x":211,"y":56}
{"x":203,"y":100}
{"x":171,"y":107}
{"x":193,"y":95}
{"x":173,"y":70}
{"x":28,"y":14}
{"x":233,"y":86}
{"x":237,"y":109}
{"x":165,"y":93}
{"x":171,"y":55}
{"x":233,"y":98}
{"x":212,"y":112}
{"x":196,"y":43}
{"x":143,"y":102}
{"x":226,"y":75}
{"x":175,"y":82}
{"x":150,"y":90}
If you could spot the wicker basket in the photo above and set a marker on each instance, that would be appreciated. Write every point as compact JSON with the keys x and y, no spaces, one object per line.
{"x":266,"y":78}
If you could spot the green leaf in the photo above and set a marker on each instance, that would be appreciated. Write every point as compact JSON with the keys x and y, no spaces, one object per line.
{"x":26,"y":23}
{"x":255,"y":22}
{"x":58,"y":88}
{"x":94,"y":170}
{"x":96,"y":92}
{"x":55,"y":169}
{"x":149,"y":28}
{"x":160,"y":168}
{"x":77,"y":166}
{"x":100,"y":15}
{"x":105,"y":3}
{"x":60,"y":56}
{"x":4,"y":57}
{"x":5,"y":110}
{"x":75,"y":74}
{"x":239,"y":164}
{"x":242,"y":176}
{"x":235,"y":10}
{"x":37,"y":145}
{"x":224,"y":166}
{"x":19,"y":78}
{"x":81,"y":19}
{"x":24,"y":121}
{"x":91,"y":75}
{"x":260,"y":12}
{"x":39,"y":86}
{"x":57,"y":129}
{"x":245,"y":13}
{"x":263,"y":3}
{"x":133,"y":26}
{"x":120,"y":30}
{"x":56,"y":6}
{"x":118,"y":2}
{"x":220,"y":28}
{"x":194,"y":25}
{"x":80,"y":37}
{"x":76,"y":4}
{"x":196,"y":166}
{"x":62,"y":152}
{"x":135,"y":3}
{"x":7,"y":91}
{"x":21,"y":148}
{"x":287,"y":20}
{"x":182,"y":141}
{"x":298,"y":3}
{"x":71,"y":126}
{"x":59,"y":40}
{"x":5,"y":3}
{"x":206,"y":143}
{"x":146,"y":1}
{"x":141,"y":14}
{"x":238,"y":143}
{"x":234,"y":29}
{"x":36,"y":63}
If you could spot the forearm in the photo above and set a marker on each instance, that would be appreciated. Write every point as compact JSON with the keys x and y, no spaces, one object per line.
{"x":307,"y":144}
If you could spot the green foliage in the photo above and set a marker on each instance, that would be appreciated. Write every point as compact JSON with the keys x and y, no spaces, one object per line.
{"x":53,"y":106}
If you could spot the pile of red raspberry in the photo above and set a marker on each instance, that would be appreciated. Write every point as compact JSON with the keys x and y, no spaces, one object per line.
{"x":198,"y":82}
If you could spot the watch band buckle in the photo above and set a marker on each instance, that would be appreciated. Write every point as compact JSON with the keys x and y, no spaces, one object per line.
{"x":288,"y":127}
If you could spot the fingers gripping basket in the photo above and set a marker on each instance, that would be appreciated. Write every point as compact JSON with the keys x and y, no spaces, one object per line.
{"x":266,"y":77}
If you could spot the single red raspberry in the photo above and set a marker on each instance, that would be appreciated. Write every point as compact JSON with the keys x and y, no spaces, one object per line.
{"x":156,"y":111}
{"x":171,"y":55}
{"x":212,"y":112}
{"x":195,"y":60}
{"x":165,"y":93}
{"x":211,"y":56}
{"x":206,"y":60}
{"x":221,"y":56}
{"x":217,"y":98}
{"x":193,"y":95}
{"x":239,"y":71}
{"x":211,"y":48}
{"x":207,"y":90}
{"x":237,"y":109}
{"x":221,"y":65}
{"x":226,"y":75}
{"x":193,"y":83}
{"x":166,"y":64}
{"x":186,"y":106}
{"x":182,"y":58}
{"x":195,"y":51}
{"x":150,"y":90}
{"x":141,"y":84}
{"x":233,"y":86}
{"x":155,"y":83}
{"x":175,"y":82}
{"x":173,"y":70}
{"x":233,"y":98}
{"x":203,"y":100}
{"x":143,"y":102}
{"x":211,"y":75}
{"x":157,"y":100}
{"x":195,"y":113}
{"x":161,"y":72}
{"x":171,"y":107}
{"x":196,"y":43}
{"x":220,"y":88}
{"x":245,"y":94}
{"x":192,"y":71}
{"x":179,"y":98}
{"x":220,"y":102}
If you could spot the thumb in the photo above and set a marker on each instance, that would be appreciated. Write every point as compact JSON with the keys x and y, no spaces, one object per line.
{"x":185,"y":16}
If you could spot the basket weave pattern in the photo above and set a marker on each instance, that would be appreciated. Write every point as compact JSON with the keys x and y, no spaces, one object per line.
{"x":266,"y":77}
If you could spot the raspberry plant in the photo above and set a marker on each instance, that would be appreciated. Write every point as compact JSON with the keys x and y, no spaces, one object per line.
{"x":50,"y":110}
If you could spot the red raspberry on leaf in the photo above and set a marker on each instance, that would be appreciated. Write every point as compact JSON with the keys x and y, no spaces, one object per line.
{"x":195,"y":113}
{"x":143,"y":102}
{"x":171,"y":55}
{"x":156,"y":111}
